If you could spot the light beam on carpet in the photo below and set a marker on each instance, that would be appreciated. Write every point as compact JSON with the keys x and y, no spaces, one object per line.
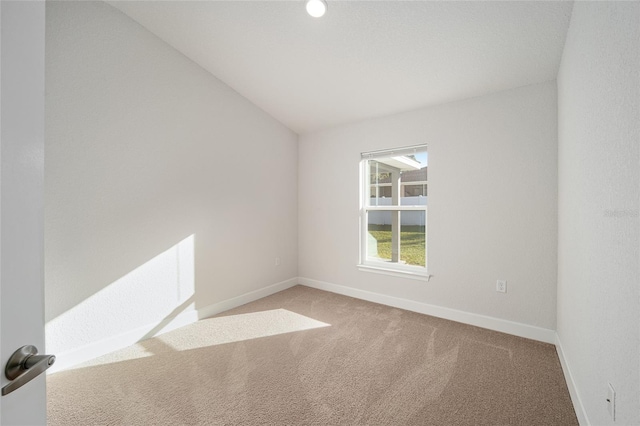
{"x":212,"y":332}
{"x":237,"y":328}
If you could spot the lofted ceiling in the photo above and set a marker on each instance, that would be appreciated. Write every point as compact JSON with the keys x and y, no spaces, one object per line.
{"x":362,"y":59}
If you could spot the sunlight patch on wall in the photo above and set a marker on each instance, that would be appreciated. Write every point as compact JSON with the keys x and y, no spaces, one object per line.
{"x":140,"y":301}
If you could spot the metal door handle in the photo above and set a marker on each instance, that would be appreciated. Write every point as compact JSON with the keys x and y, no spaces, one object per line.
{"x":25,"y":365}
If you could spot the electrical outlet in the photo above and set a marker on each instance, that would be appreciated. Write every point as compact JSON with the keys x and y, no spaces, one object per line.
{"x":277,"y":262}
{"x":611,"y":402}
{"x":501,"y":286}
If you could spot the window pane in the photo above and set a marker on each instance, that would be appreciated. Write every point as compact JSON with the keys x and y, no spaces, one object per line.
{"x":380,"y":184}
{"x":380,"y":238}
{"x":412,"y":238}
{"x":414,"y":187}
{"x":414,"y":190}
{"x":379,"y":235}
{"x":399,"y":180}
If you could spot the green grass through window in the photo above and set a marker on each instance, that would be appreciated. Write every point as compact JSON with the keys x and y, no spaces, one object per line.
{"x":412,"y":243}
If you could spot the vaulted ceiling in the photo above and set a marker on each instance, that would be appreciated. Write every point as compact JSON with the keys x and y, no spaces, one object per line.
{"x":363,"y":58}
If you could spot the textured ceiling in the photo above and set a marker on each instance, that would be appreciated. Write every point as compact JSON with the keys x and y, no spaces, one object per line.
{"x":363,"y":58}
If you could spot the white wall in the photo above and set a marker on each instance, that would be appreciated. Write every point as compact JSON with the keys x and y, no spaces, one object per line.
{"x":165,"y":190}
{"x":598,"y":276}
{"x":492,"y":204}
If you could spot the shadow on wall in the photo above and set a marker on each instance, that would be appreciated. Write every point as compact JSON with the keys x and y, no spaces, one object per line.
{"x":156,"y":296}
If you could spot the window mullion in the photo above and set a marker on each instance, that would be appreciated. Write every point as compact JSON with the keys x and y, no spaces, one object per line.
{"x":395,"y":216}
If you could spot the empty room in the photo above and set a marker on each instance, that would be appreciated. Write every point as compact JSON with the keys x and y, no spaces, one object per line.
{"x":320,"y":212}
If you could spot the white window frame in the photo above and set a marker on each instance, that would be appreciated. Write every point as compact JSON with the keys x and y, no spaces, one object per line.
{"x":394,"y":268}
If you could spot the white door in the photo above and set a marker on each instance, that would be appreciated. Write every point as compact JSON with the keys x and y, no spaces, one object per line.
{"x":22,"y":27}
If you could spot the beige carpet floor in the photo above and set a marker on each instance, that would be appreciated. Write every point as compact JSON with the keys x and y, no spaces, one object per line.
{"x":308,"y":357}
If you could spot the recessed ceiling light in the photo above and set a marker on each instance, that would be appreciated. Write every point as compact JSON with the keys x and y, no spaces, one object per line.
{"x":316,"y":8}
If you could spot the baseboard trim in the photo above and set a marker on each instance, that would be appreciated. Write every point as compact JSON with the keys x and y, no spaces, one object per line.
{"x":491,"y":323}
{"x":69,"y":359}
{"x":243,"y":299}
{"x":581,"y":413}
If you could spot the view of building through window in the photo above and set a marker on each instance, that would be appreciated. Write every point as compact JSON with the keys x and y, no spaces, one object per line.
{"x":394,"y":209}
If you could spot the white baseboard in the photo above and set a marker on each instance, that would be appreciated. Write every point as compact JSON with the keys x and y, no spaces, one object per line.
{"x":75,"y":356}
{"x":491,"y":323}
{"x":225,"y":305}
{"x":93,"y":350}
{"x":583,"y":420}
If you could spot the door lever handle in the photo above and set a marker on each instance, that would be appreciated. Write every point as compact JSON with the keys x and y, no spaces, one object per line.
{"x":25,"y":365}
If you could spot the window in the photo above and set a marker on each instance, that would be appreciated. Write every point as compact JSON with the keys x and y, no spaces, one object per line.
{"x":393,"y":212}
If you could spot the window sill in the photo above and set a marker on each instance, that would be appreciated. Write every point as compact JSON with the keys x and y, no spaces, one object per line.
{"x":419,"y":276}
